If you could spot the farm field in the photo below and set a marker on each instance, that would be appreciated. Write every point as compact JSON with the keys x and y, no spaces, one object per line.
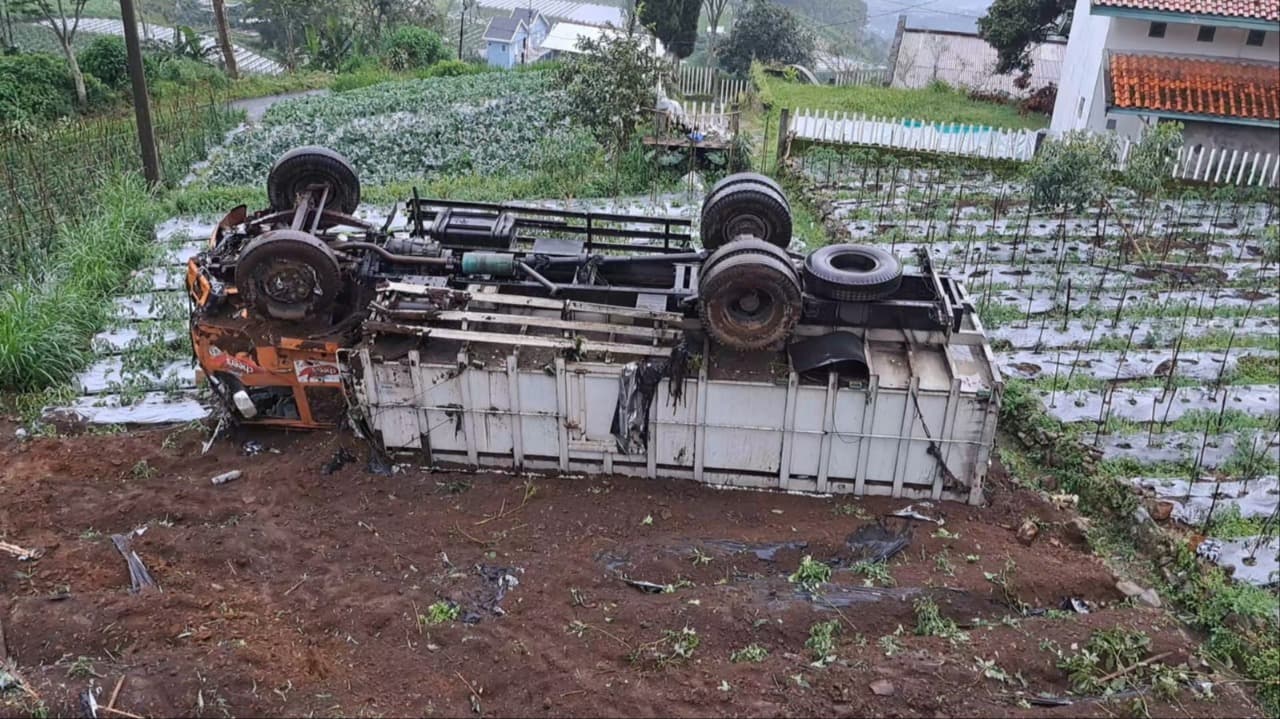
{"x":1150,"y":329}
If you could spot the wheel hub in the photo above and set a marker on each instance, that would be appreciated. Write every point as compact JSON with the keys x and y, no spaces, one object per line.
{"x":290,"y":282}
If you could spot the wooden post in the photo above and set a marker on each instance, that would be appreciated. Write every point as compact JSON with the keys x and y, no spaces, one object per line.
{"x":224,"y":38}
{"x":141,"y":100}
{"x":784,"y":124}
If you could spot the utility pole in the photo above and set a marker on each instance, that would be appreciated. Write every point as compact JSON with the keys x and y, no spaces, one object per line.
{"x":224,"y":38}
{"x":141,"y":100}
{"x":462,"y":18}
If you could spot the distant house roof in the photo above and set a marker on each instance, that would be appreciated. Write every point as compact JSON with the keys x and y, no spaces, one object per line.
{"x":563,"y":36}
{"x":502,"y":29}
{"x":1268,"y":10}
{"x":578,"y":12}
{"x":1195,"y":86}
{"x":526,"y":15}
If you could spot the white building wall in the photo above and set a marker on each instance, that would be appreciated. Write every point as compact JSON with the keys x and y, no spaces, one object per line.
{"x":1080,"y":92}
{"x":969,"y":62}
{"x":1180,"y":39}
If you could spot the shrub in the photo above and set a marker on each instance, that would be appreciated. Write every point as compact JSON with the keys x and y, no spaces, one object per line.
{"x":33,"y":88}
{"x":451,"y":68}
{"x":412,"y":48}
{"x":361,"y":77}
{"x":174,"y":75}
{"x":107,"y":60}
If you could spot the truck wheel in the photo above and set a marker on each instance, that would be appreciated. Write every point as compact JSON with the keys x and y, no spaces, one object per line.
{"x":749,"y":302}
{"x":852,"y":273}
{"x":303,"y":167}
{"x":288,"y":274}
{"x":745,"y":245}
{"x":747,"y":208}
{"x":739,"y":178}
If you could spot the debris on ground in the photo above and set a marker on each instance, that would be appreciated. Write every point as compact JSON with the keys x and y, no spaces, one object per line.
{"x":1072,"y":604}
{"x":139,"y":577}
{"x":503,"y":579}
{"x":225,"y":477}
{"x":1132,"y":590}
{"x":251,"y":448}
{"x":649,"y":587}
{"x":883,"y":688}
{"x":22,"y":555}
{"x":910,"y":512}
{"x":1028,"y":531}
{"x":763,"y":552}
{"x":341,"y":458}
{"x":877,"y":543}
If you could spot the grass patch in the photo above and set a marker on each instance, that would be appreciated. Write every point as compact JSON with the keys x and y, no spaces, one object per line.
{"x":1238,"y":620}
{"x":930,"y":104}
{"x":48,"y":319}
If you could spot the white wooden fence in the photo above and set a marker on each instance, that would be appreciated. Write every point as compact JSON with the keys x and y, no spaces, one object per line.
{"x":1210,"y":165}
{"x":907,"y":134}
{"x":859,"y":76}
{"x":1217,"y":166}
{"x":708,"y":118}
{"x":695,"y":81}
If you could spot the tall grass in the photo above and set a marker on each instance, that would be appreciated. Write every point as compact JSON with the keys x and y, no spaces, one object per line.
{"x":47,"y":319}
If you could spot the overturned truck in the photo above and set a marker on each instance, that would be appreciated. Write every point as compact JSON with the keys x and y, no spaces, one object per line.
{"x":498,"y":335}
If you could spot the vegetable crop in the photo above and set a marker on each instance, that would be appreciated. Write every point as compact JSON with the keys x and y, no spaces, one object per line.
{"x":479,"y":124}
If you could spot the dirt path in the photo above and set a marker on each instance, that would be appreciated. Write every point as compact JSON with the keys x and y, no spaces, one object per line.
{"x":294,"y":592}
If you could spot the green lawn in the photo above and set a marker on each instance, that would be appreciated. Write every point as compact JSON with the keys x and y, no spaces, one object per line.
{"x":930,"y":105}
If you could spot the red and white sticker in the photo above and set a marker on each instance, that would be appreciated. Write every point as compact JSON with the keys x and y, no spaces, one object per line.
{"x":314,"y":372}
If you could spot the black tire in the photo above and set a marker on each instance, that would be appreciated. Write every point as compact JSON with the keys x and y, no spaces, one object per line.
{"x":741,"y":177}
{"x":744,"y":245}
{"x":852,"y":273}
{"x":749,"y":302}
{"x":288,"y":275}
{"x":301,"y":167}
{"x":750,"y":209}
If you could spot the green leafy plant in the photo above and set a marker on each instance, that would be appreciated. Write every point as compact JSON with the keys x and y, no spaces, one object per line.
{"x":440,"y":612}
{"x":874,"y":573}
{"x":751,"y":653}
{"x":931,"y":623}
{"x":810,"y":574}
{"x":822,"y":641}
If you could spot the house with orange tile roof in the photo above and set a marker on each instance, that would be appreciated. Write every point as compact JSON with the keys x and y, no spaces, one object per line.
{"x":1213,"y":65}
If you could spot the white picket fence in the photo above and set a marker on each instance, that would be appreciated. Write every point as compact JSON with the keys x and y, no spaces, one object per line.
{"x":708,"y":118}
{"x":859,"y":76}
{"x":907,"y":134}
{"x":1217,"y":166}
{"x":695,"y":81}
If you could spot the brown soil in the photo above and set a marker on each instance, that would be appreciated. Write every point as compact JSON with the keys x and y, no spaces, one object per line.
{"x":294,"y":592}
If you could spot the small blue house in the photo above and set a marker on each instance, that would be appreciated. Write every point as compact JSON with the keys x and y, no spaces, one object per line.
{"x":515,"y":40}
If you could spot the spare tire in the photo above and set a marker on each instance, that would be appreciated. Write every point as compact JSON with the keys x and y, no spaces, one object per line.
{"x":747,"y":208}
{"x":302,"y":167}
{"x":852,"y":273}
{"x":288,"y":274}
{"x":749,"y":302}
{"x":739,"y":178}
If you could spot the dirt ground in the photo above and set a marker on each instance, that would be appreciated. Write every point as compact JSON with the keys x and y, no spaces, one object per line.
{"x":295,"y":592}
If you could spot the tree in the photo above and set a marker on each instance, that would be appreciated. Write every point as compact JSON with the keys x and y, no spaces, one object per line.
{"x":768,"y":33}
{"x":1014,"y":27}
{"x":63,"y":16}
{"x":1070,"y":173}
{"x":611,"y":85}
{"x":674,"y":22}
{"x":714,"y":10}
{"x":224,"y":38}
